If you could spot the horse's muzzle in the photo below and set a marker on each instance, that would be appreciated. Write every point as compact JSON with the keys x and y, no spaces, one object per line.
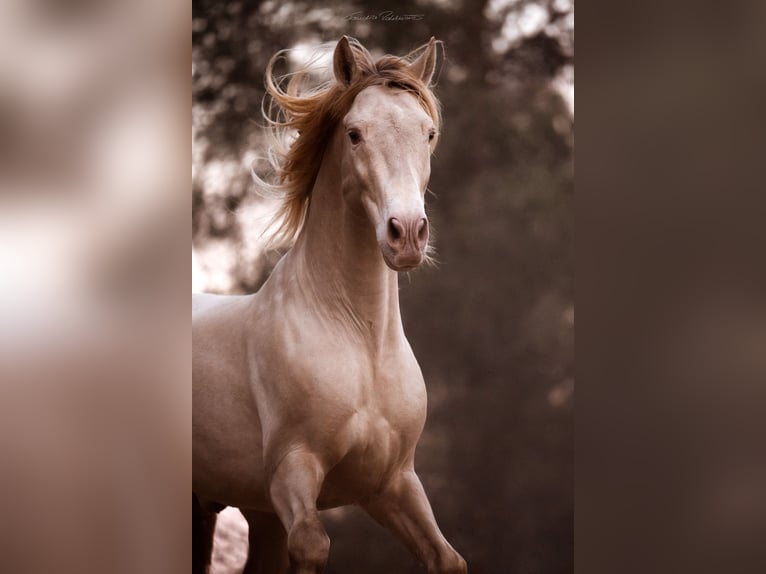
{"x":405,"y":242}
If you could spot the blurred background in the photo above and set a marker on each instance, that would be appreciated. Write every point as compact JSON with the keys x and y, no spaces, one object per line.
{"x":95,"y":403}
{"x":492,"y":325}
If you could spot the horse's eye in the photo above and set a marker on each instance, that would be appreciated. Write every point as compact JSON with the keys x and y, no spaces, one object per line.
{"x":355,"y":136}
{"x":431,"y":135}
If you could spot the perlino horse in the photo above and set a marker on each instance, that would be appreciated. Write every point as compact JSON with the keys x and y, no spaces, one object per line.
{"x":307,"y":395}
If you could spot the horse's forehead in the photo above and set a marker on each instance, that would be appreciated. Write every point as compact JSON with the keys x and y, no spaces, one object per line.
{"x":383,"y":104}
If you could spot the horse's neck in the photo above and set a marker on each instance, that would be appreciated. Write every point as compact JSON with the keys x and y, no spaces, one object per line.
{"x":339,"y":264}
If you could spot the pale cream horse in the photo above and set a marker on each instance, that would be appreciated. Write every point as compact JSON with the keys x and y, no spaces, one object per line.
{"x":307,"y":394}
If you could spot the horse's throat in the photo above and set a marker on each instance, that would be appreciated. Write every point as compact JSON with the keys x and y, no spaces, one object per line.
{"x":345,"y":268}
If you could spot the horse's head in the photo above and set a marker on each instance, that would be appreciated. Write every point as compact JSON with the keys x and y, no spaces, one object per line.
{"x":387,"y":143}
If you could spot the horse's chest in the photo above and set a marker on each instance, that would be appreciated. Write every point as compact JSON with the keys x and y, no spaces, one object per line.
{"x":334,"y":380}
{"x":379,"y":437}
{"x":375,"y":447}
{"x":362,"y":413}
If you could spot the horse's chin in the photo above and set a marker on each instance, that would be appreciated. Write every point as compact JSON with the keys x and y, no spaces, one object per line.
{"x":402,"y":262}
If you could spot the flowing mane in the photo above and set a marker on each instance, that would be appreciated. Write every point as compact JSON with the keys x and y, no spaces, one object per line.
{"x":302,"y":119}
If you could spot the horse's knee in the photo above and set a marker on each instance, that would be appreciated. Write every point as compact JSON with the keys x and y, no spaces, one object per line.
{"x":308,"y":545}
{"x":458,"y":566}
{"x":449,"y":563}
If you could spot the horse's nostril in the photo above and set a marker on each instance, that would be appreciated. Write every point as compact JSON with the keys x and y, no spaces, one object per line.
{"x":395,"y":229}
{"x":422,"y":231}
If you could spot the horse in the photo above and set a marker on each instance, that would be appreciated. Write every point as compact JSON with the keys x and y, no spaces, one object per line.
{"x":307,"y":394}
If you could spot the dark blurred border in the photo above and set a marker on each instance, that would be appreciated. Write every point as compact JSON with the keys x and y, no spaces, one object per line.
{"x":671,"y":327}
{"x":95,"y":408}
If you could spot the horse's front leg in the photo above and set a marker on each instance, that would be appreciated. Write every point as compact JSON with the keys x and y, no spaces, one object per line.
{"x":403,"y":508}
{"x":294,"y":489}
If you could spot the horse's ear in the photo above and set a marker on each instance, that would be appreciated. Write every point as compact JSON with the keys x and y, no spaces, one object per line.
{"x":424,"y":65}
{"x":343,"y":62}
